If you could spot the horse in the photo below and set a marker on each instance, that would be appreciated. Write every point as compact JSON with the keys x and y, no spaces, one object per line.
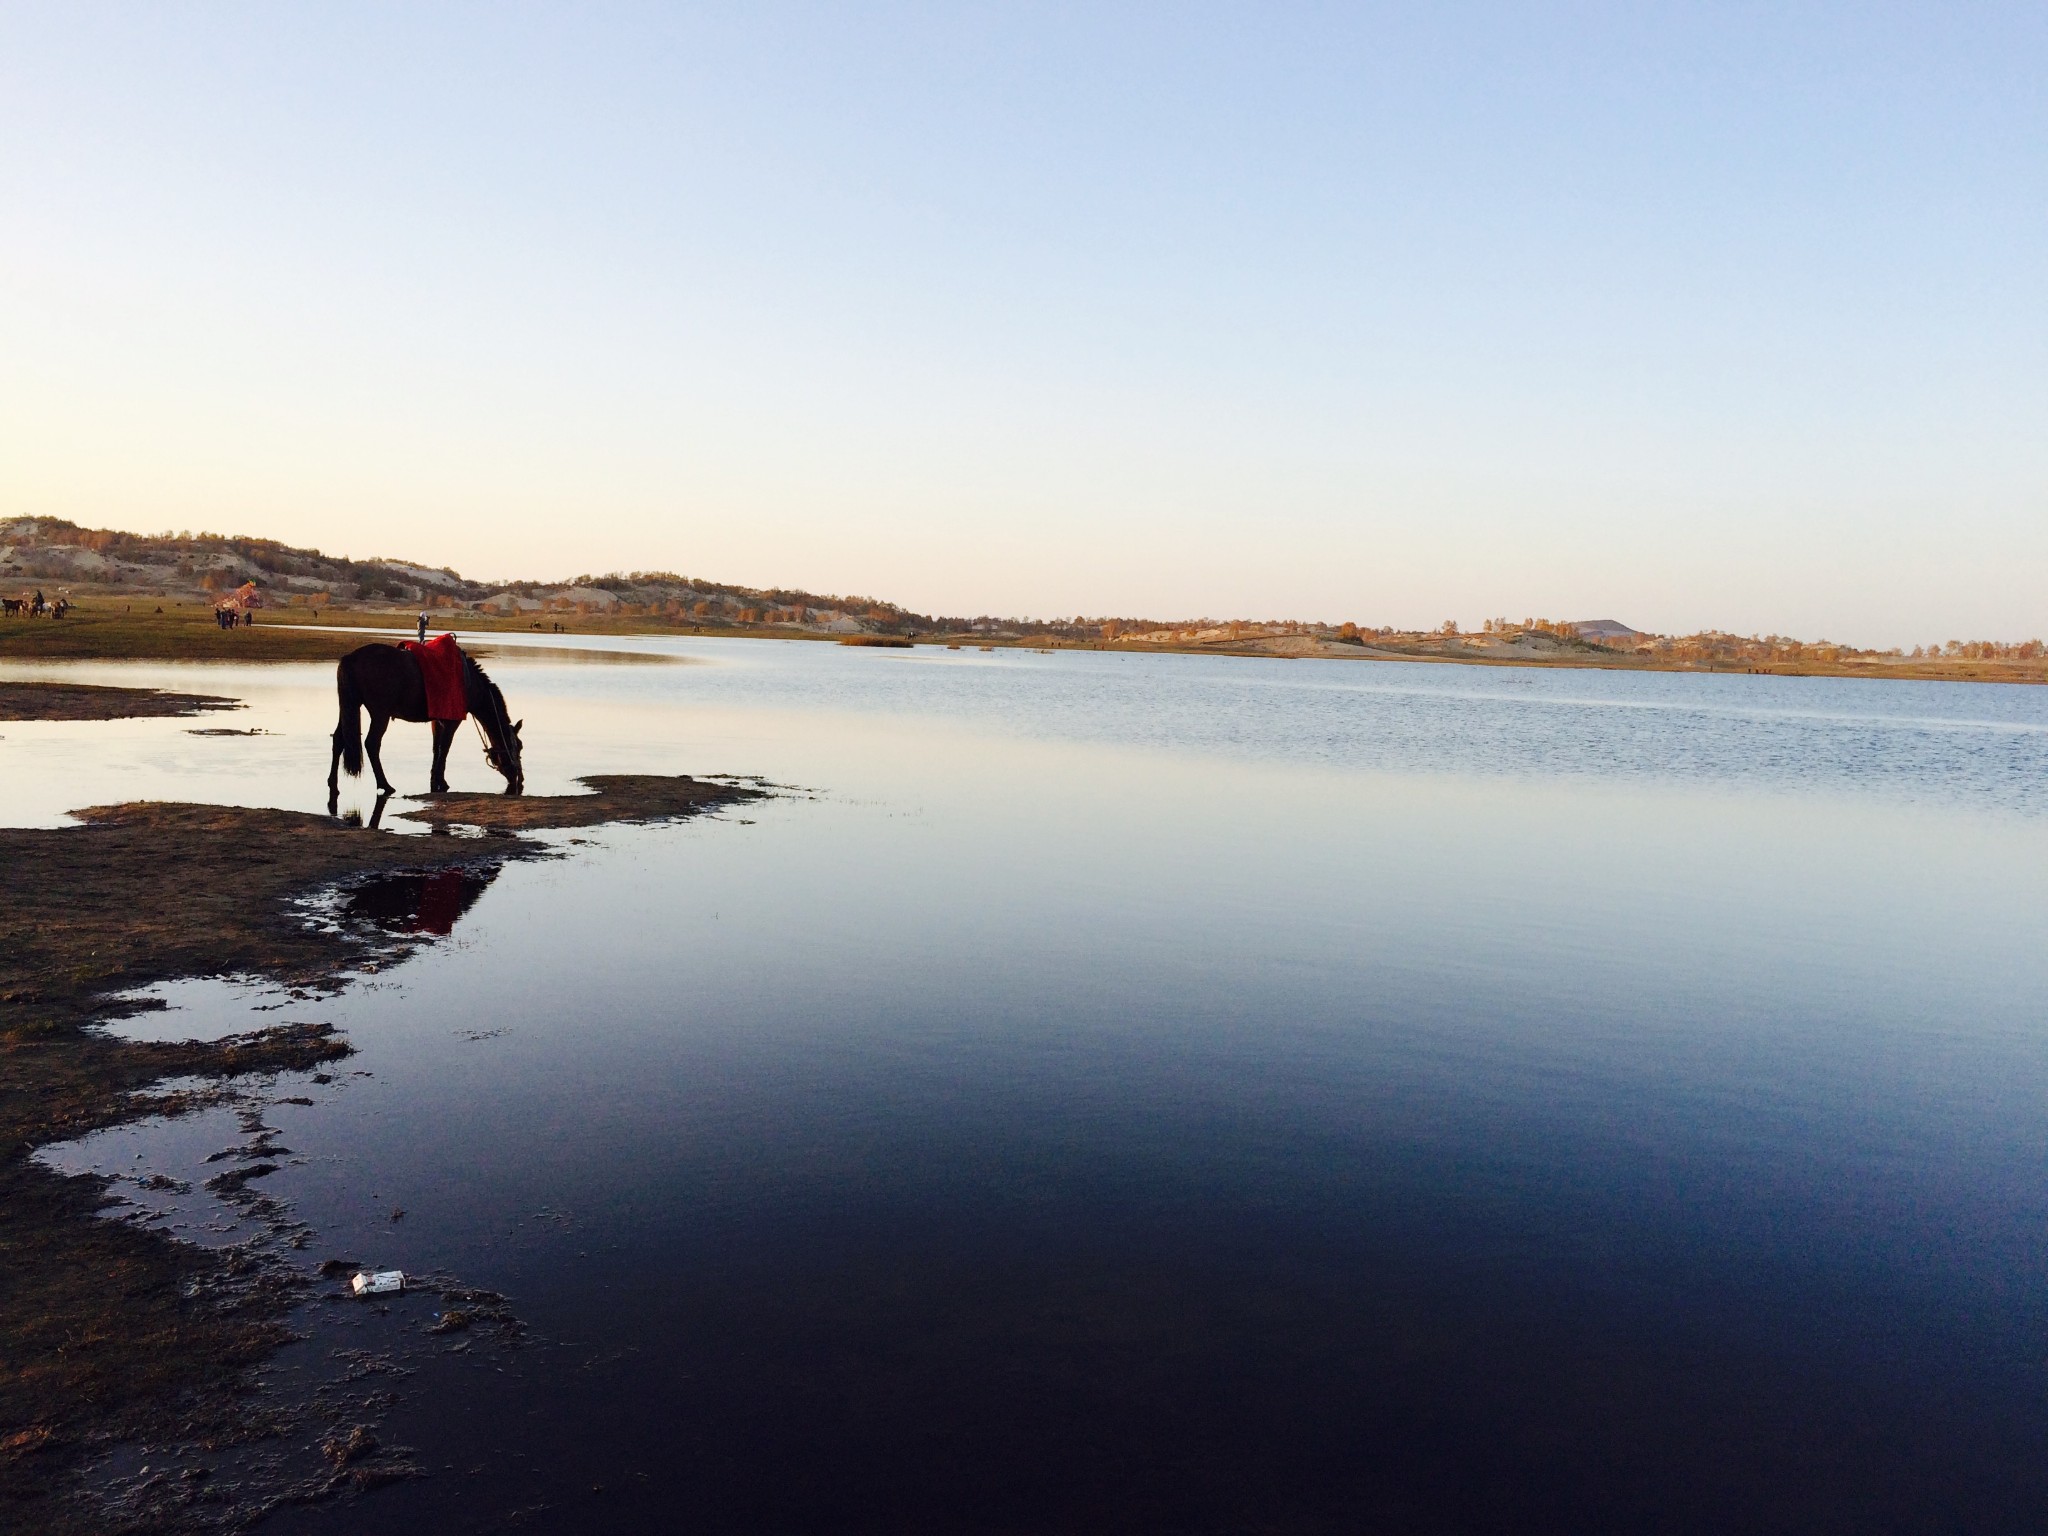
{"x":13,"y":607}
{"x":386,"y":680}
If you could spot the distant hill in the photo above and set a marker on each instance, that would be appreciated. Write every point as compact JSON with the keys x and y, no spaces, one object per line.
{"x":54,"y":553}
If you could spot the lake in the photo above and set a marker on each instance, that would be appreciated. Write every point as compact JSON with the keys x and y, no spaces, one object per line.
{"x":1160,"y":1093}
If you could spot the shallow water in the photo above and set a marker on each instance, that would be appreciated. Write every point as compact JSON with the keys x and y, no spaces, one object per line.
{"x":1188,"y":1093}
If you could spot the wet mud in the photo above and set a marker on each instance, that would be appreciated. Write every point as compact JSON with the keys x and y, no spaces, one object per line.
{"x":116,"y":1335}
{"x":613,"y":797}
{"x":88,"y":701}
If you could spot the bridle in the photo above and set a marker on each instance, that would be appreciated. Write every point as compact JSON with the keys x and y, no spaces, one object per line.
{"x":504,"y":718}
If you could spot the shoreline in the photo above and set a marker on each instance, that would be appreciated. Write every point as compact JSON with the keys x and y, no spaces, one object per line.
{"x":112,"y":1332}
{"x":185,"y":632}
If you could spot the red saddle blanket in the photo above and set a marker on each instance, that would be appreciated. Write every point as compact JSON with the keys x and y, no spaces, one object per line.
{"x":440,"y":662}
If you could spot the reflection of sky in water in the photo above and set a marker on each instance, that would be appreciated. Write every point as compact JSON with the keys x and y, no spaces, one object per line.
{"x":1976,"y":745}
{"x":1103,"y":1108}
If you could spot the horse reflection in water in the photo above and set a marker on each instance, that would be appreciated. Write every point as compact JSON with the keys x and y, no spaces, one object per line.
{"x":423,"y":902}
{"x":354,"y":818}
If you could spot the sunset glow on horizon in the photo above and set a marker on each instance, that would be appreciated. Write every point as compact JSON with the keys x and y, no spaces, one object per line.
{"x":1686,"y":317}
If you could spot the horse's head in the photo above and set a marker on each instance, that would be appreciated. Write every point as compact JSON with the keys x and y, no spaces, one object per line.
{"x":506,"y":755}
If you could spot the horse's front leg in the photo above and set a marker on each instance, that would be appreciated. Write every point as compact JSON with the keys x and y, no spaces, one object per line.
{"x":371,"y":743}
{"x":444,"y":738}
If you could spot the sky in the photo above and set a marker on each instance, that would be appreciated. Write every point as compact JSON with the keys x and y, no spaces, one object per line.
{"x":1689,"y":315}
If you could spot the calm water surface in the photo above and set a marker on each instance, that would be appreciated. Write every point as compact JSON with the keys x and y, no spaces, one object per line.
{"x":1188,"y":1094}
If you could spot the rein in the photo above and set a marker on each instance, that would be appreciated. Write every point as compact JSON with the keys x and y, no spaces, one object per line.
{"x":498,"y":704}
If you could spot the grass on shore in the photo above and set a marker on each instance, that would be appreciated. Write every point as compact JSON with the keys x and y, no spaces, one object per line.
{"x":106,"y":629}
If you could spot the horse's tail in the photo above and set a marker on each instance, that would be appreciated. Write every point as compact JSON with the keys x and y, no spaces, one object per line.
{"x":348,"y":731}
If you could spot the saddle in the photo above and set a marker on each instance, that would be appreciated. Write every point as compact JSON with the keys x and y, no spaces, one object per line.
{"x":440,"y":662}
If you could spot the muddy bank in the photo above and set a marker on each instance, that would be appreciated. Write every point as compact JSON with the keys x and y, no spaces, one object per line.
{"x":84,"y":701}
{"x":613,"y":797}
{"x":109,"y":1332}
{"x":145,"y":892}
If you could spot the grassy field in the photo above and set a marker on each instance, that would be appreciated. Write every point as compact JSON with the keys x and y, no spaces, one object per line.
{"x":100,"y":629}
{"x":152,"y":629}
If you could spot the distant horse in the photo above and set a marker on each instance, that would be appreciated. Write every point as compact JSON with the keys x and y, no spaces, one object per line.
{"x":386,"y":680}
{"x":13,"y":607}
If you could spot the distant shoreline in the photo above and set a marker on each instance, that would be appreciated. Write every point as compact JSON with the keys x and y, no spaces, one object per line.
{"x":104,"y":628}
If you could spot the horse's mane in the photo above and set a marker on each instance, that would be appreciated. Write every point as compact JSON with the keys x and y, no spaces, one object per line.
{"x":504,"y":716}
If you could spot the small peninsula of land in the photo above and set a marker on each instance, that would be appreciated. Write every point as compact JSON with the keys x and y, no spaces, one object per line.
{"x":86,"y":701}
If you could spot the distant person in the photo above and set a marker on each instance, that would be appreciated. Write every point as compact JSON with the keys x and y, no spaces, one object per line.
{"x":423,"y":626}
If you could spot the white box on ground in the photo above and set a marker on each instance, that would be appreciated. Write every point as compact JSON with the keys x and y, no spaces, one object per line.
{"x":380,"y":1282}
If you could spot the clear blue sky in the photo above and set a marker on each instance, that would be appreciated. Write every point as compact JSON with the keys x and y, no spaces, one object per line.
{"x":1687,"y":315}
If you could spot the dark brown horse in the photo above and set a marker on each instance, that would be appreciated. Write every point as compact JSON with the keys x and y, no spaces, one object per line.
{"x":386,"y":680}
